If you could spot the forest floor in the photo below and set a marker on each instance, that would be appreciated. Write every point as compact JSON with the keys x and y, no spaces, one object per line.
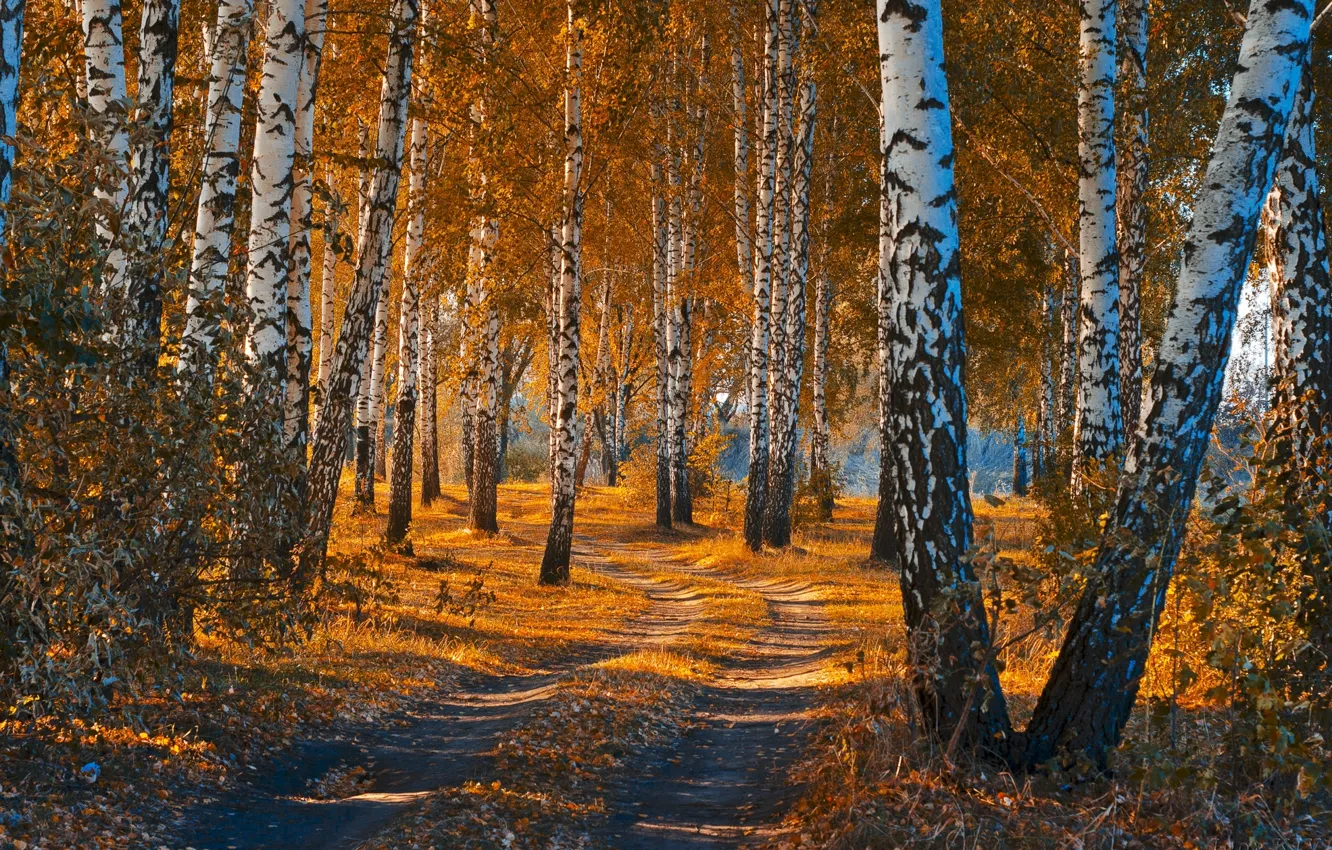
{"x":681,"y":692}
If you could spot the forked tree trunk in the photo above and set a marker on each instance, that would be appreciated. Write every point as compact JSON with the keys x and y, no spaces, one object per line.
{"x":1098,"y":429}
{"x":371,"y":263}
{"x":927,"y":411}
{"x":300,"y":339}
{"x":781,"y":476}
{"x":756,"y":496}
{"x":1131,"y":216}
{"x":409,"y":322}
{"x":1095,"y":679}
{"x":555,"y":560}
{"x":215,"y":217}
{"x":145,"y":227}
{"x":428,"y":421}
{"x":104,"y":71}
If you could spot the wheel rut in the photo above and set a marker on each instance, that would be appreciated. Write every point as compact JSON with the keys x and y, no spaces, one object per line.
{"x":444,"y":745}
{"x":725,"y":783}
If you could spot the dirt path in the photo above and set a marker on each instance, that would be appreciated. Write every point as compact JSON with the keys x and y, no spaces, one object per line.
{"x":725,"y":785}
{"x":422,"y":753}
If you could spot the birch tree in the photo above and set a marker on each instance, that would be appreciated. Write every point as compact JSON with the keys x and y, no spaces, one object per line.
{"x":781,"y":477}
{"x":328,"y":285}
{"x":428,"y":421}
{"x":150,"y":177}
{"x":104,"y":70}
{"x":661,"y":339}
{"x":299,"y":330}
{"x":409,"y":321}
{"x":1095,"y":678}
{"x":271,"y":173}
{"x":215,"y":217}
{"x":1131,"y":213}
{"x":371,"y":264}
{"x":555,"y":560}
{"x":11,"y":52}
{"x":756,"y":495}
{"x":1098,"y":429}
{"x":927,"y":412}
{"x":820,"y":438}
{"x":743,"y":245}
{"x":883,"y":543}
{"x":482,"y":508}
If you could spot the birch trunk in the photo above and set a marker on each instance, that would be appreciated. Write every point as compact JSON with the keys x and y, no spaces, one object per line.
{"x":428,"y":421}
{"x":409,"y":322}
{"x":820,"y":466}
{"x":553,"y":350}
{"x":328,"y":287}
{"x":215,"y":217}
{"x":1043,"y":459}
{"x":1098,"y":432}
{"x":299,"y":333}
{"x":756,"y":497}
{"x":270,"y":212}
{"x":104,"y":70}
{"x":883,"y":545}
{"x":743,"y":246}
{"x":1303,"y":304}
{"x":371,"y":262}
{"x":781,"y":476}
{"x":1095,"y":678}
{"x":661,"y":337}
{"x":467,"y":338}
{"x":1131,"y":217}
{"x":150,"y":178}
{"x":1021,"y":469}
{"x":481,"y":514}
{"x":11,"y":52}
{"x":927,"y":411}
{"x":364,"y":479}
{"x":555,"y":561}
{"x":677,"y":307}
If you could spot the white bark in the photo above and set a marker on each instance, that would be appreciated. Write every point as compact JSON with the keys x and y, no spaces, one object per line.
{"x":299,"y":332}
{"x":270,"y":184}
{"x":743,"y":244}
{"x":555,"y":561}
{"x":1098,"y":428}
{"x":328,"y":287}
{"x":104,"y":63}
{"x":215,"y":217}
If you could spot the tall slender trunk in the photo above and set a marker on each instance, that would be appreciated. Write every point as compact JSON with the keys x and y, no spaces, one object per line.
{"x":601,"y":379}
{"x":1098,"y":429}
{"x":299,"y":333}
{"x":756,"y":497}
{"x":371,"y":263}
{"x":328,"y":287}
{"x":743,"y":244}
{"x":555,"y":561}
{"x":1131,"y":215}
{"x":677,"y":332}
{"x":467,"y":341}
{"x":883,"y":544}
{"x":364,"y":442}
{"x":428,"y":421}
{"x":781,"y":475}
{"x":1068,"y":361}
{"x":661,"y":338}
{"x":1043,"y":456}
{"x":482,"y":507}
{"x":1302,"y":320}
{"x":378,"y":391}
{"x":552,"y":349}
{"x":104,"y":70}
{"x":150,"y":177}
{"x":820,"y":465}
{"x":409,"y":322}
{"x":928,"y":404}
{"x":271,"y":174}
{"x":1094,"y":682}
{"x":11,"y":52}
{"x":217,"y":198}
{"x":1021,"y":468}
